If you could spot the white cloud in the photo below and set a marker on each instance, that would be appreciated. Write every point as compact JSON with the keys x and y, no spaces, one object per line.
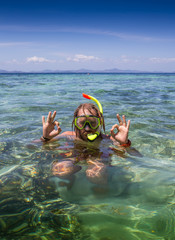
{"x":38,"y":60}
{"x":125,"y":59}
{"x":162,"y":60}
{"x":82,"y":58}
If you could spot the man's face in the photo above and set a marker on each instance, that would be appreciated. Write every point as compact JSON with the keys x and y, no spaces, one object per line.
{"x":82,"y":133}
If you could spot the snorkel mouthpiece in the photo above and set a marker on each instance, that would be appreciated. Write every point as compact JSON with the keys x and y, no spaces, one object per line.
{"x":92,"y":137}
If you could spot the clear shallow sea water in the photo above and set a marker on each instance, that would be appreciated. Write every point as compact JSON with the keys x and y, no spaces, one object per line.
{"x":139,"y":200}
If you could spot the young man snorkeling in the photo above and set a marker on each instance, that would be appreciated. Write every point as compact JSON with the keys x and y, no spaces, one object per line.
{"x":88,"y":122}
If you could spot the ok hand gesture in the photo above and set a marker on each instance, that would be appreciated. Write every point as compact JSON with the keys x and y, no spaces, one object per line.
{"x":49,"y":130}
{"x":122,"y":130}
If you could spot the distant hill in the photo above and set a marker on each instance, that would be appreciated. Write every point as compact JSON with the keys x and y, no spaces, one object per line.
{"x":83,"y":70}
{"x":5,"y":71}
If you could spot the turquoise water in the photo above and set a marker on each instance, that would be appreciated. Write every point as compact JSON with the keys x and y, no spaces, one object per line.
{"x":138,"y":201}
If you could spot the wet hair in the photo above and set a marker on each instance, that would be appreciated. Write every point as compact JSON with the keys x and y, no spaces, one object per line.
{"x":89,"y":107}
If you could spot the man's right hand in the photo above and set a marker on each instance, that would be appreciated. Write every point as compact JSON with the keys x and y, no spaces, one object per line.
{"x":49,"y":130}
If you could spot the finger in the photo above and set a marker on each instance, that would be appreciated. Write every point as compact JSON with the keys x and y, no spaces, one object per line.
{"x":56,"y":123}
{"x":112,"y":130}
{"x":49,"y":117}
{"x":53,"y":115}
{"x":124,"y":120}
{"x":58,"y":127}
{"x":115,"y":126}
{"x":43,"y":120}
{"x":91,"y":162}
{"x":119,"y":119}
{"x":112,"y":134}
{"x":56,"y":132}
{"x":128,"y":124}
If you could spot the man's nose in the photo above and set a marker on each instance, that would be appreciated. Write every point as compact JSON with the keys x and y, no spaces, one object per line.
{"x":87,"y":127}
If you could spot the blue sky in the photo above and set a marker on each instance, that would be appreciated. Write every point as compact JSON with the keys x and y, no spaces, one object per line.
{"x":69,"y":35}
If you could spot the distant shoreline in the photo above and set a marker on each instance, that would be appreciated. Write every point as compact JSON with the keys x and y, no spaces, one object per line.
{"x":88,"y":73}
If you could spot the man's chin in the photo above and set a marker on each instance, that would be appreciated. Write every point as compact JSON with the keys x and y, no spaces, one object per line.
{"x":85,"y":136}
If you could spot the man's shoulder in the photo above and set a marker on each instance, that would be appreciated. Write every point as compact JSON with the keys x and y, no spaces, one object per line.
{"x":66,"y":134}
{"x":72,"y":133}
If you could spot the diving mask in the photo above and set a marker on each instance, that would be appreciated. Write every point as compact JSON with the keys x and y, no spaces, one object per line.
{"x":92,"y":121}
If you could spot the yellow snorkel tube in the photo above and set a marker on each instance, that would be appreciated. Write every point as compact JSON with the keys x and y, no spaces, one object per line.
{"x":92,"y":137}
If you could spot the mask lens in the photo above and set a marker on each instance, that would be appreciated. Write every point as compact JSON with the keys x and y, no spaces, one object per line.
{"x":93,"y":122}
{"x":80,"y":122}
